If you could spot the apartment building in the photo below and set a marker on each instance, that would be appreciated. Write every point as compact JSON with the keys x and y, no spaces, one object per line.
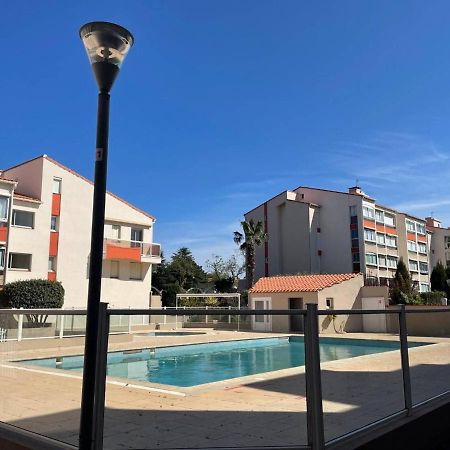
{"x":45,"y":232}
{"x":439,"y":242}
{"x":322,"y":231}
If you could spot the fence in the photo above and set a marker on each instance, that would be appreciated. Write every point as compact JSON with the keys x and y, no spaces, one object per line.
{"x":313,"y":374}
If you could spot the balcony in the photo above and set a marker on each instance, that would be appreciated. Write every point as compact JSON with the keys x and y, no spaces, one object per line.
{"x":119,"y":249}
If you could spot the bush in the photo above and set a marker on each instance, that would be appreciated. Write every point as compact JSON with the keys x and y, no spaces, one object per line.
{"x":33,"y":294}
{"x":433,"y":297}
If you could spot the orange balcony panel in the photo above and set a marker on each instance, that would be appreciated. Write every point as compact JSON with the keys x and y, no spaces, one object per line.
{"x":380,"y":227}
{"x":369,"y":223}
{"x":3,"y":234}
{"x":411,"y":237}
{"x":128,"y":253}
{"x":421,"y":238}
{"x":391,"y":230}
{"x":56,"y":204}
{"x":54,"y":238}
{"x":51,"y":276}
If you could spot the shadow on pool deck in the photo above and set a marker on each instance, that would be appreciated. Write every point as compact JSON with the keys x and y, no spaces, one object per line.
{"x":224,"y":418}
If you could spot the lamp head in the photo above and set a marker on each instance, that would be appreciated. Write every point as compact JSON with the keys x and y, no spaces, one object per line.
{"x":107,"y":45}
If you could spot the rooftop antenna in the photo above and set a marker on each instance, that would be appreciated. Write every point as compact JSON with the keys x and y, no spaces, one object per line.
{"x":357,"y":181}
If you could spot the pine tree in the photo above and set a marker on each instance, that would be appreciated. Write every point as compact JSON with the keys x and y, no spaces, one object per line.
{"x":439,"y":278}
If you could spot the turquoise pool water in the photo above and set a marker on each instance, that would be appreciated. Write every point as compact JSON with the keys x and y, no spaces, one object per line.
{"x":191,"y":365}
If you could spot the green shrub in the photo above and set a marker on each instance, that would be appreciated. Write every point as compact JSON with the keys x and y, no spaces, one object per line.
{"x":33,"y":294}
{"x":433,"y":297}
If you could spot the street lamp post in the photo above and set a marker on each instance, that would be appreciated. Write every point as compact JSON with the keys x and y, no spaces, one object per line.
{"x":106,"y":44}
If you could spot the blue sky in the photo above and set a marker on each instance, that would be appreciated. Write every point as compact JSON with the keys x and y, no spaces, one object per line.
{"x":223,"y":104}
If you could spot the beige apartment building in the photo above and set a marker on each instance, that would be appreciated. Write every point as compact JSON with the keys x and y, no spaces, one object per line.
{"x":45,"y":232}
{"x":440,"y":242}
{"x":322,"y":231}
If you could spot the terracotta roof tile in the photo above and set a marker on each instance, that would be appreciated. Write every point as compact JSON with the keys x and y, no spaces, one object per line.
{"x":299,"y":283}
{"x":25,"y":198}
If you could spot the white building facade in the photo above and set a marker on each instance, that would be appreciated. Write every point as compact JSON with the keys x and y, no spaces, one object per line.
{"x":313,"y":231}
{"x":45,"y":233}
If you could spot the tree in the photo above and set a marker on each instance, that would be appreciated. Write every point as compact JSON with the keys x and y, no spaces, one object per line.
{"x":34,"y":294}
{"x":403,"y":290}
{"x":438,"y":278}
{"x":224,"y":273}
{"x":254,"y":235}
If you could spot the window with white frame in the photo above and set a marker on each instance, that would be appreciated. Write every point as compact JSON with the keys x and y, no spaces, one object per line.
{"x":371,"y":259}
{"x":424,"y":287}
{"x":114,"y":269}
{"x":56,"y":188}
{"x":54,"y":223}
{"x":411,"y":246}
{"x":421,"y":228}
{"x":2,"y":258}
{"x":135,"y":271}
{"x":23,"y":218}
{"x":413,"y":266}
{"x":423,"y":267}
{"x":422,"y":247}
{"x":369,"y":235}
{"x":4,"y":203}
{"x":368,"y":212}
{"x":52,"y":263}
{"x":389,"y":220}
{"x":381,"y":239}
{"x":391,"y":241}
{"x":379,"y":215}
{"x":353,"y":210}
{"x":392,"y":261}
{"x":382,"y":260}
{"x":447,"y":242}
{"x":410,"y":226}
{"x":19,"y":261}
{"x":137,"y":236}
{"x":116,"y":231}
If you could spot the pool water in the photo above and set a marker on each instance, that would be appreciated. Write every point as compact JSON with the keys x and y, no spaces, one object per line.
{"x":191,"y":365}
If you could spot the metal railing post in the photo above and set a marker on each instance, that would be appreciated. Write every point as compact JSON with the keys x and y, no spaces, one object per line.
{"x":206,"y":317}
{"x":403,"y":332}
{"x":229,"y":315}
{"x":314,"y":416}
{"x":61,"y":327}
{"x":100,"y":382}
{"x":20,"y":327}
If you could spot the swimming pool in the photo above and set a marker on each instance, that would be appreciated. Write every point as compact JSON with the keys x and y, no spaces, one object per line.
{"x":192,"y":365}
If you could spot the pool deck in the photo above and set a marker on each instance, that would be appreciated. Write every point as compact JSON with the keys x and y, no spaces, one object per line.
{"x":263,"y":409}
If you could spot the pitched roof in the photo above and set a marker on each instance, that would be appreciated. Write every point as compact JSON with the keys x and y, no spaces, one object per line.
{"x":300,"y":283}
{"x":25,"y":198}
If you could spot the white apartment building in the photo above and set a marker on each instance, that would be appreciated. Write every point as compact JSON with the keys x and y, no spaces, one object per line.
{"x":45,"y":232}
{"x":440,"y":242}
{"x":322,"y":231}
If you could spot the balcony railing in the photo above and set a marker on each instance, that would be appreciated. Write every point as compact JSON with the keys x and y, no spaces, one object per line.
{"x":146,"y":250}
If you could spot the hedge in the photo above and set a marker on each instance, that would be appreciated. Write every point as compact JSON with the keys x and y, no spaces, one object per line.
{"x":433,"y":297}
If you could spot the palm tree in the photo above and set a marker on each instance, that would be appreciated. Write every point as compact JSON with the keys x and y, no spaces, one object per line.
{"x":254,"y":236}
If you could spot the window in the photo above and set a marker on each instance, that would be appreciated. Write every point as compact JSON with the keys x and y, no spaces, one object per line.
{"x":424,"y":287}
{"x":412,"y":246}
{"x":353,"y":210}
{"x":410,"y":226}
{"x":330,"y":303}
{"x":422,"y":247}
{"x":379,"y":215}
{"x":2,"y":258}
{"x":57,"y":185}
{"x":23,"y":218}
{"x":21,"y":261}
{"x":116,"y":231}
{"x":423,"y":266}
{"x":381,"y":239}
{"x":421,"y":228}
{"x":447,"y":242}
{"x":135,"y":271}
{"x":136,"y":237}
{"x":114,"y":269}
{"x":369,"y":235}
{"x":382,"y":260}
{"x":54,"y":223}
{"x":4,"y":209}
{"x":52,"y":263}
{"x":354,"y":234}
{"x":389,"y":220}
{"x":413,"y":266}
{"x":391,"y":241}
{"x":392,"y":261}
{"x":355,"y":257}
{"x":368,"y":212}
{"x":371,"y":259}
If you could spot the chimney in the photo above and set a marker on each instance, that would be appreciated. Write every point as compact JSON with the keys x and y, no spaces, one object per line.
{"x":432,"y":222}
{"x":356,"y":190}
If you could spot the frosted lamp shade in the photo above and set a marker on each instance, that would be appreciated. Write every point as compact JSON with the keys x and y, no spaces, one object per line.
{"x":106,"y":42}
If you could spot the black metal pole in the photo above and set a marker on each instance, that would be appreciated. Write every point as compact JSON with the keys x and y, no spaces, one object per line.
{"x":86,"y":437}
